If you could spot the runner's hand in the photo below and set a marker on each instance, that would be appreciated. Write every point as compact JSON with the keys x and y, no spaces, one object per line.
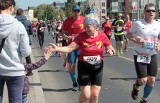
{"x":47,"y":54}
{"x":110,"y":50}
{"x":53,"y":47}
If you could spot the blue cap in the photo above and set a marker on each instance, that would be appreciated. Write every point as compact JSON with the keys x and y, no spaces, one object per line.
{"x":76,"y":7}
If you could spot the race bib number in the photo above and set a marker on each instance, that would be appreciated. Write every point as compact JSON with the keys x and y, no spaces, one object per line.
{"x":119,"y":29}
{"x":92,"y":59}
{"x":74,"y":36}
{"x":144,"y":58}
{"x":148,"y":45}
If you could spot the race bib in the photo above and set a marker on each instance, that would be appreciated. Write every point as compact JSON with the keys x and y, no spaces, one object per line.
{"x":148,"y":45}
{"x":144,"y":58}
{"x":74,"y":36}
{"x":60,"y":38}
{"x":119,"y":29}
{"x":92,"y":59}
{"x":41,"y":29}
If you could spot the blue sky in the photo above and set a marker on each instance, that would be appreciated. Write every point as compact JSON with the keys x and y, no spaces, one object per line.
{"x":25,"y":3}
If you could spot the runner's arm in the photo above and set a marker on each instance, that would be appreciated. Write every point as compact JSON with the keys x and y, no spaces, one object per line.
{"x":134,"y":39}
{"x":65,"y":49}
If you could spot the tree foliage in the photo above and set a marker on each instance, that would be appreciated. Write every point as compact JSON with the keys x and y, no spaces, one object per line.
{"x":69,"y":5}
{"x":48,"y":12}
{"x":51,"y":12}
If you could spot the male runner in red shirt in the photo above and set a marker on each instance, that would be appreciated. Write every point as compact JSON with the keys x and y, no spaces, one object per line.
{"x":73,"y":26}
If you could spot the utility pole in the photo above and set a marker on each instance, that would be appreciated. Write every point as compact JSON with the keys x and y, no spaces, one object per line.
{"x":138,"y":9}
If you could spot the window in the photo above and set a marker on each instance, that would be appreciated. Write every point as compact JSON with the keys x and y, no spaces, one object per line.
{"x":103,"y":17}
{"x":103,"y":10}
{"x":103,"y":4}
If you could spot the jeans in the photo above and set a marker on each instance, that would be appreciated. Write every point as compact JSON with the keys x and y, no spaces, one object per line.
{"x":14,"y":86}
{"x":24,"y":98}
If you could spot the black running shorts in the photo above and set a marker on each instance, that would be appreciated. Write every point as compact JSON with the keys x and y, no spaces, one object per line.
{"x":119,"y":37}
{"x":89,"y":74}
{"x":144,"y":70}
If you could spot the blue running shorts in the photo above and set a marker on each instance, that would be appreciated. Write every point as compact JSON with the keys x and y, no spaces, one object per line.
{"x":72,"y":56}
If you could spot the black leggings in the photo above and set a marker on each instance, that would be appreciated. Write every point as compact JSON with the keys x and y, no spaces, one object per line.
{"x":41,"y":39}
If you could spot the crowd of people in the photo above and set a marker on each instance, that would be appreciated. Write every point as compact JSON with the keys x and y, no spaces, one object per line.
{"x":82,"y":43}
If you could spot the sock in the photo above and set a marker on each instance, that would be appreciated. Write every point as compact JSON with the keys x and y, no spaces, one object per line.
{"x":73,"y":77}
{"x":120,"y":51}
{"x":147,"y":91}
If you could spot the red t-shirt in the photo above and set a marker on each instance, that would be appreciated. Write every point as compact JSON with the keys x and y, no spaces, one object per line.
{"x":127,"y":25}
{"x":73,"y":27}
{"x":92,"y":46}
{"x":107,"y":27}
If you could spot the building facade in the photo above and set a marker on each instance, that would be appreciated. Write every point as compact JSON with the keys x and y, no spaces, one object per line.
{"x":134,"y":8}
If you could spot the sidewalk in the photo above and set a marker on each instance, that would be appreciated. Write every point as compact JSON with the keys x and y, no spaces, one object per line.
{"x":36,"y":93}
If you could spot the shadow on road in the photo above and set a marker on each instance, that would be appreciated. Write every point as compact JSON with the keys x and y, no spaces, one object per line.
{"x":127,"y":79}
{"x":52,"y":71}
{"x":41,"y":56}
{"x":57,"y":90}
{"x":35,"y":84}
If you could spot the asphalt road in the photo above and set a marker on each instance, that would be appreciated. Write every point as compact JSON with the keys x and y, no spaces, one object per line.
{"x":118,"y":78}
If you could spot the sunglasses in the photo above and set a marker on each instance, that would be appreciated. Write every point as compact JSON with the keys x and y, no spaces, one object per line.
{"x":76,"y":10}
{"x":150,"y":11}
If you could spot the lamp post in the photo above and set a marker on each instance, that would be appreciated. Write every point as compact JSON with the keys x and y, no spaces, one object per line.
{"x":138,"y":9}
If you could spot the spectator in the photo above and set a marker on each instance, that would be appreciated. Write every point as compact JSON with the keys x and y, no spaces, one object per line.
{"x":33,"y":66}
{"x":16,"y":46}
{"x":28,"y":26}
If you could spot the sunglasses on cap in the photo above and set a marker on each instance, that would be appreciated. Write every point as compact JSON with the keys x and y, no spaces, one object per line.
{"x":76,"y":10}
{"x":150,"y":11}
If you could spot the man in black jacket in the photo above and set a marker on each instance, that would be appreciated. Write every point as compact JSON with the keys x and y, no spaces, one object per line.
{"x":28,"y":26}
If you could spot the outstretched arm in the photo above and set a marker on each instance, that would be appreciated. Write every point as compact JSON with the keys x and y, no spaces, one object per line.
{"x":66,"y":49}
{"x":32,"y":66}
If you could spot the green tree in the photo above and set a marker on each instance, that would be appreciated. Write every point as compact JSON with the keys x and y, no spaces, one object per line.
{"x":69,"y":5}
{"x":48,"y":12}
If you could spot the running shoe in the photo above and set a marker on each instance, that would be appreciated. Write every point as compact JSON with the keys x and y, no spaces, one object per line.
{"x":134,"y":92}
{"x":143,"y":101}
{"x":75,"y":87}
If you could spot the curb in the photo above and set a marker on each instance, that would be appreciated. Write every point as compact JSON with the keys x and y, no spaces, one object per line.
{"x":35,"y":85}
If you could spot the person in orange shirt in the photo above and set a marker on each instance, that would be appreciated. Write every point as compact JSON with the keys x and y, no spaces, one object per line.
{"x":107,"y":28}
